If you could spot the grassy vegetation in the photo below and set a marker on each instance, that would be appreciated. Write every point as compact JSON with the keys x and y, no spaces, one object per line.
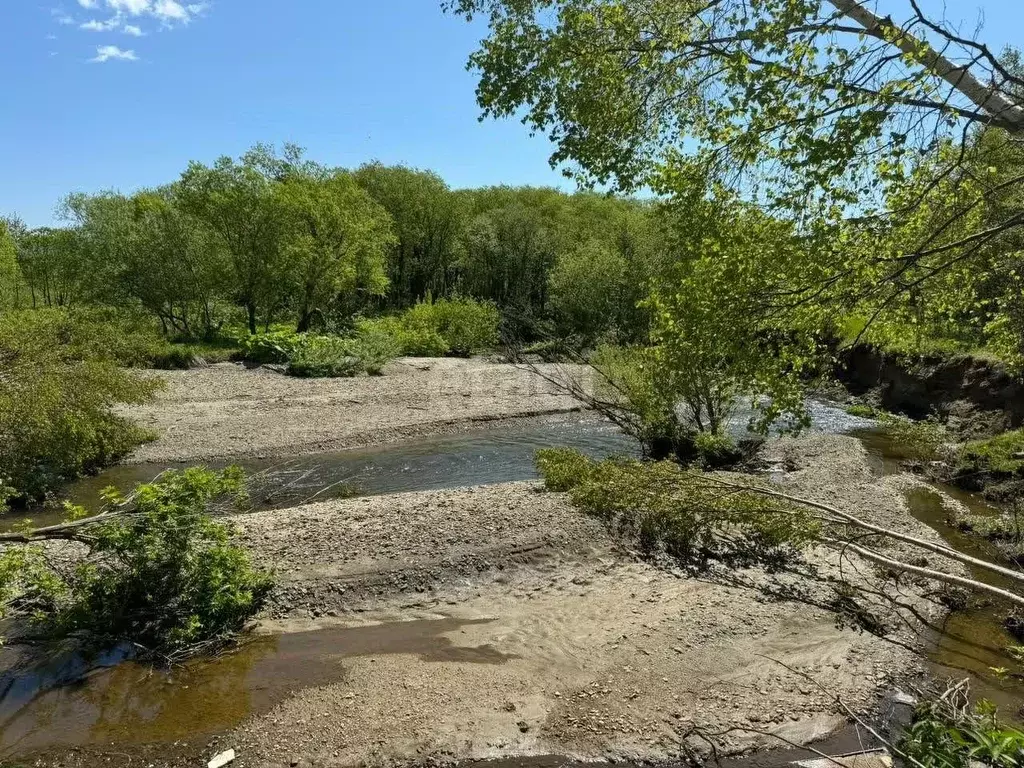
{"x":862,"y":410}
{"x":446,"y":327}
{"x":665,"y":510}
{"x":1005,"y":530}
{"x":996,"y":459}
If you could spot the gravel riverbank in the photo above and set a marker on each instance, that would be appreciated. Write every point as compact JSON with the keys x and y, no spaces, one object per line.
{"x":601,"y":656}
{"x":491,"y":621}
{"x":227,"y":410}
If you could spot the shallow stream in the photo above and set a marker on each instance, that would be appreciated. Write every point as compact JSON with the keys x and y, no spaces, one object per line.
{"x":72,"y":702}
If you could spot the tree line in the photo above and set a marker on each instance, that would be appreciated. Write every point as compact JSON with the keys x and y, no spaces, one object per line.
{"x":274,"y":237}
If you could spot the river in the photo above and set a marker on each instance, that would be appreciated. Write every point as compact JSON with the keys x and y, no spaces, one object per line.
{"x":70,"y":701}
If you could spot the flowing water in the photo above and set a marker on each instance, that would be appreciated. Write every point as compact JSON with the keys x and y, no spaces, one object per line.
{"x":76,"y":701}
{"x":499,"y":454}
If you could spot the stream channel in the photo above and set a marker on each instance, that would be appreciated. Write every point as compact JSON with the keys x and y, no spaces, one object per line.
{"x":74,"y":702}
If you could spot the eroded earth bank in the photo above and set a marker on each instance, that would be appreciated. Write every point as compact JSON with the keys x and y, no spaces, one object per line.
{"x":478,"y":622}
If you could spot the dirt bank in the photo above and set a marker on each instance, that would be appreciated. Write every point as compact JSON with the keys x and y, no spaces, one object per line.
{"x":978,"y":397}
{"x":227,"y":410}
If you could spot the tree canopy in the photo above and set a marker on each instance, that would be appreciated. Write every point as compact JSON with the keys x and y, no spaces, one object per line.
{"x":826,"y":113}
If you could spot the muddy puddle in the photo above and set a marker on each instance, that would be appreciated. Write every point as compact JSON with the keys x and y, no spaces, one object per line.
{"x":74,"y":701}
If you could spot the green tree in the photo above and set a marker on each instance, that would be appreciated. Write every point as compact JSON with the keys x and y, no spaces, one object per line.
{"x":589,"y":285}
{"x":610,"y":255}
{"x":11,"y":281}
{"x":55,"y":265}
{"x":715,"y":336}
{"x":239,"y":201}
{"x":337,"y":242}
{"x":178,"y":269}
{"x":428,"y":221}
{"x":815,"y":109}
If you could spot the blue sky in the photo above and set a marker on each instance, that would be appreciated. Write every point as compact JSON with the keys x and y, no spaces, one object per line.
{"x":147,"y":85}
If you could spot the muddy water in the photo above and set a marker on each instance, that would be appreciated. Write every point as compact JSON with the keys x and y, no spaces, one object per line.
{"x":63,"y":704}
{"x":973,"y":640}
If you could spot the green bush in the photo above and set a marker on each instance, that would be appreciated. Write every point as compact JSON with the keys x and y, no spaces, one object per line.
{"x":57,"y":400}
{"x":160,"y":574}
{"x":323,"y":357}
{"x":948,"y":733}
{"x":271,"y":347}
{"x":562,"y":468}
{"x":663,"y":509}
{"x":458,"y":327}
{"x":333,"y":356}
{"x":126,"y":338}
{"x":375,"y":347}
{"x":465,"y":325}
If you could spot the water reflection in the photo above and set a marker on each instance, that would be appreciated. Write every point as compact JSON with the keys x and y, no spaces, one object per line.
{"x":62,"y":703}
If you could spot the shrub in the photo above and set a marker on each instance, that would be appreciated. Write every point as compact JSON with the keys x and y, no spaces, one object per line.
{"x":375,"y":347}
{"x":465,"y":325}
{"x":663,"y":509}
{"x":160,"y":573}
{"x":126,"y":338}
{"x":271,"y":347}
{"x":410,"y":342}
{"x":323,"y":356}
{"x":562,"y":468}
{"x":57,"y":403}
{"x":948,"y":733}
{"x":637,"y":392}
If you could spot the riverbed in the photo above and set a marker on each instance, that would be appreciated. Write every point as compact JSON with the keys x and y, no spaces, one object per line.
{"x":454,"y":610}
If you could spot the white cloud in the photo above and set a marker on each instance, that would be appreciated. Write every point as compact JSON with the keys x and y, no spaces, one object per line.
{"x":131,"y":7}
{"x":170,"y":10}
{"x":127,"y":17}
{"x":112,"y":52}
{"x":101,"y":26}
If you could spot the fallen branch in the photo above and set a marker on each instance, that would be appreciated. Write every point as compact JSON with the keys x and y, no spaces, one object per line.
{"x":946,"y":578}
{"x":846,"y":517}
